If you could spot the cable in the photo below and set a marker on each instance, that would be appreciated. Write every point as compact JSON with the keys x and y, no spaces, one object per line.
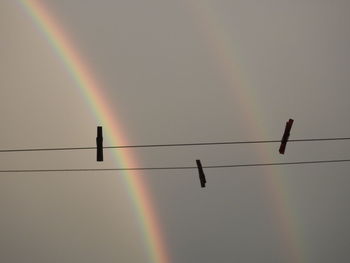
{"x":176,"y":167}
{"x":47,"y":149}
{"x":171,"y":145}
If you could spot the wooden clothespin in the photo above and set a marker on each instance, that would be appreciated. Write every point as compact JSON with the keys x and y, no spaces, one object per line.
{"x":201,"y":173}
{"x":99,"y":144}
{"x":286,"y":136}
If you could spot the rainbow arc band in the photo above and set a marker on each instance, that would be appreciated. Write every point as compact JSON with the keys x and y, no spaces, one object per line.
{"x":92,"y":91}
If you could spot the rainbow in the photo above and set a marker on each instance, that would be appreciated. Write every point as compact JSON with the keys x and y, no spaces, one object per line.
{"x":221,"y":46}
{"x":92,"y":90}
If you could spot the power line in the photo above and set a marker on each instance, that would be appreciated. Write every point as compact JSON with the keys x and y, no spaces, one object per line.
{"x":171,"y":145}
{"x":175,"y":167}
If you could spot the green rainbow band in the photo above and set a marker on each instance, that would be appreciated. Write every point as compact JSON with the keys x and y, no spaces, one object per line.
{"x":92,"y":91}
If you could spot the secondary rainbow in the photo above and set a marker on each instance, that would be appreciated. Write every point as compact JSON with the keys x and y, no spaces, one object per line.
{"x":93,"y":92}
{"x":222,"y":49}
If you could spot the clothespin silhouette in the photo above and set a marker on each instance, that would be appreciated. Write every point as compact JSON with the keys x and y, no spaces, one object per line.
{"x":99,"y":144}
{"x":201,"y":173}
{"x":286,"y":136}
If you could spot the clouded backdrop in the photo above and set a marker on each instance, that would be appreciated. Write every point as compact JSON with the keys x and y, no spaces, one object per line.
{"x":174,"y":72}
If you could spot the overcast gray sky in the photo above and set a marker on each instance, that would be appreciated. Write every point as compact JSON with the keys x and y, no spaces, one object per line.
{"x":174,"y":72}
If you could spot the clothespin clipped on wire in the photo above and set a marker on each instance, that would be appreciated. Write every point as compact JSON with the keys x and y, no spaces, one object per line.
{"x":286,"y":136}
{"x":201,"y":173}
{"x":99,"y":144}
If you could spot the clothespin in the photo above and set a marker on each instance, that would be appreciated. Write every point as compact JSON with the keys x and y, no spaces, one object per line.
{"x":286,"y":136}
{"x":99,"y":144}
{"x":201,"y":173}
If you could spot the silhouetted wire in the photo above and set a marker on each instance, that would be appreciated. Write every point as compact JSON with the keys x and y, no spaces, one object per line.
{"x":175,"y":167}
{"x":171,"y":145}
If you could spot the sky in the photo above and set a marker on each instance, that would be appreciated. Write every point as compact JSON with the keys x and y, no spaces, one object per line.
{"x":175,"y":72}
